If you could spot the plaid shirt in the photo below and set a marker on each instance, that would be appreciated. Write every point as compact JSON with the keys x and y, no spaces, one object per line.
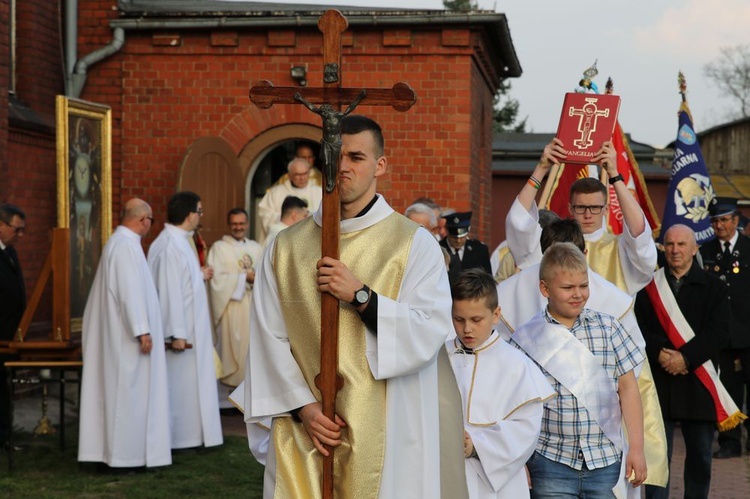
{"x":569,"y":434}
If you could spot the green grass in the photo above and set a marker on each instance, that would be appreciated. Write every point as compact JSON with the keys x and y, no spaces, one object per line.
{"x":41,"y":470}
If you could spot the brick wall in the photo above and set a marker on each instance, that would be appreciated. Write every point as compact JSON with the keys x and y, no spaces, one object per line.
{"x":480,"y":185}
{"x":27,"y":155}
{"x":39,"y":74}
{"x":32,"y":186}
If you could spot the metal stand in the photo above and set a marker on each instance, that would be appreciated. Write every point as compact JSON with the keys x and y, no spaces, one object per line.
{"x":57,"y":375}
{"x":45,"y":427}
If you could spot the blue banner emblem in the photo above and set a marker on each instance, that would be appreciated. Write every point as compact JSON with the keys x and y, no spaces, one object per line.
{"x":690,"y":192}
{"x":686,"y":135}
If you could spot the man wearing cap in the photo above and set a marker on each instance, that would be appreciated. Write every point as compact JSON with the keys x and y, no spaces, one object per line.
{"x":728,"y":257}
{"x":465,"y":253}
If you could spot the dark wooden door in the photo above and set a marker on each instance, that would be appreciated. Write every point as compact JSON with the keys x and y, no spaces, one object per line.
{"x":211,"y":169}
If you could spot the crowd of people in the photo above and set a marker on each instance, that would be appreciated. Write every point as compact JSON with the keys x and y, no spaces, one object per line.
{"x":592,"y":354}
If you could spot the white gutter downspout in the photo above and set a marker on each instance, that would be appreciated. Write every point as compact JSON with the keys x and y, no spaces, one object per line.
{"x":71,"y":36}
{"x":78,"y":79}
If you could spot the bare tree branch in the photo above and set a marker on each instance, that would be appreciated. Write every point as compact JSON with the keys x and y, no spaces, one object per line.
{"x":730,"y":72}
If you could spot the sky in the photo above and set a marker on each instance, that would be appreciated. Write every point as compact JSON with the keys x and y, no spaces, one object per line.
{"x":641,"y":44}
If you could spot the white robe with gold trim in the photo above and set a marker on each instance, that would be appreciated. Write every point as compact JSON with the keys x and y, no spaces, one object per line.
{"x":502,"y":392}
{"x":230,"y":295}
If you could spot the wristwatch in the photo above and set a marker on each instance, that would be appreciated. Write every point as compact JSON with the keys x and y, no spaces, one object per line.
{"x":360,"y":296}
{"x":614,"y":179}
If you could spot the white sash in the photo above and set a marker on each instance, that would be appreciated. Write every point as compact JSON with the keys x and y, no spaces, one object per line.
{"x":679,"y":332}
{"x":556,"y":349}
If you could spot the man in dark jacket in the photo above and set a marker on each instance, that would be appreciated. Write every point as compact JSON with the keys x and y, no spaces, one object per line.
{"x":696,"y":304}
{"x":465,"y":253}
{"x":12,"y":298}
{"x":728,"y":257}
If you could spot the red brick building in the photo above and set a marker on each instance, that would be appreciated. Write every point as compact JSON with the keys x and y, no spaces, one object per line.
{"x":178,"y":88}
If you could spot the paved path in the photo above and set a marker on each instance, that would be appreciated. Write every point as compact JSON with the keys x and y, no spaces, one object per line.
{"x":730,"y":478}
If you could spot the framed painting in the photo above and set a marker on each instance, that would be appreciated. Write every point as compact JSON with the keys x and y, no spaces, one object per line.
{"x":84,"y":190}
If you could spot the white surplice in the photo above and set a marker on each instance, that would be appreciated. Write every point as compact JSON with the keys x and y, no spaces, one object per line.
{"x":273,"y":231}
{"x":230,"y":295}
{"x":269,"y":207}
{"x":637,"y":255}
{"x":124,"y":414}
{"x":502,"y":394}
{"x":193,"y":397}
{"x":411,"y":330}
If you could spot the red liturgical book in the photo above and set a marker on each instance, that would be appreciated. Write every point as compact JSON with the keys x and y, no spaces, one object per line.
{"x":586,"y":122}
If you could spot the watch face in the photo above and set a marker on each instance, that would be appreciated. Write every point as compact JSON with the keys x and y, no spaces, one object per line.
{"x":361,"y":296}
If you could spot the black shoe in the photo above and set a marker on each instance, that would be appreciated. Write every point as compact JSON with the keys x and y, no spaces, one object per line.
{"x":726,"y":453}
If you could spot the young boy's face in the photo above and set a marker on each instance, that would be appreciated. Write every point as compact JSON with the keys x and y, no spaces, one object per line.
{"x":473,"y":321}
{"x":566,"y":292}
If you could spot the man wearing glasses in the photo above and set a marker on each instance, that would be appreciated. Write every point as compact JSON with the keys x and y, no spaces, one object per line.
{"x":12,"y":297}
{"x":728,"y":257}
{"x":297,"y":184}
{"x":627,"y":260}
{"x":193,"y":394}
{"x":124,"y":419}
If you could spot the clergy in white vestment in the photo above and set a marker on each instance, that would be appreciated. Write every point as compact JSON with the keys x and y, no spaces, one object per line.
{"x":521,"y":299}
{"x":233,"y":258}
{"x":193,"y":395}
{"x":394,"y":319}
{"x":297,"y":184}
{"x":293,"y":210}
{"x":502,"y":393}
{"x":628,"y":260}
{"x":124,"y":413}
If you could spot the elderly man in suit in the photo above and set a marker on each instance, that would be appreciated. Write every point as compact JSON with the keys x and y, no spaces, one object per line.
{"x":12,"y":298}
{"x":684,"y":317}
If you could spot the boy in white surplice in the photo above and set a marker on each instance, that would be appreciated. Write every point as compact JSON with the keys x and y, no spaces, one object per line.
{"x":502,"y":394}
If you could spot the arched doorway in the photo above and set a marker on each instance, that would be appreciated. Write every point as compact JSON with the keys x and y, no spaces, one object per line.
{"x":225,"y":181}
{"x":264,"y":161}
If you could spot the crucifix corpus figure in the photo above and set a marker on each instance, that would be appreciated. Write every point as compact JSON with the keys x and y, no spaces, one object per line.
{"x":331,"y":143}
{"x":379,"y":292}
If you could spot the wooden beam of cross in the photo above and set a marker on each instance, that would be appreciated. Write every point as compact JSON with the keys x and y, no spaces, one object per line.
{"x":330,"y":98}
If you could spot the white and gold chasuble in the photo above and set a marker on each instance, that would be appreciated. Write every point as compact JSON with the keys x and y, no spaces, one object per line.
{"x":390,"y":399}
{"x":361,"y":401}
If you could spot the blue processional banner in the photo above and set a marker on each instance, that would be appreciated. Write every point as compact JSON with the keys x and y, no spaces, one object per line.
{"x":690,"y":192}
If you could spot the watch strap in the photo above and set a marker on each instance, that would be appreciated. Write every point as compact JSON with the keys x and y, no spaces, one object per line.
{"x":614,"y":179}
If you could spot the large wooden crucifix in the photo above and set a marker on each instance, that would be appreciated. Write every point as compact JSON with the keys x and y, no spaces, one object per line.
{"x":330,"y":98}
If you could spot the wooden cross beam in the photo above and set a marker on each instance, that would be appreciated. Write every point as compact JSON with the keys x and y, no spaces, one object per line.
{"x":330,"y":98}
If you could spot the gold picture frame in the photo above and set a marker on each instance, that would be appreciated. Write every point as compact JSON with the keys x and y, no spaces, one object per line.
{"x":84,"y":190}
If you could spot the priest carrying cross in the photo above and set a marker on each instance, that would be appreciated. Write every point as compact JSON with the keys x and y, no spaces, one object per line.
{"x":392,"y":431}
